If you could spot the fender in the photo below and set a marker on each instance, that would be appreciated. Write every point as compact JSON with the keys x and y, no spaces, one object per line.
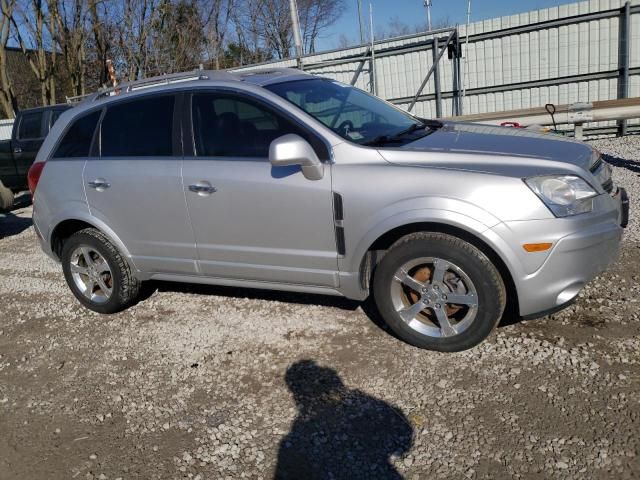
{"x":83,"y":215}
{"x":447,"y":211}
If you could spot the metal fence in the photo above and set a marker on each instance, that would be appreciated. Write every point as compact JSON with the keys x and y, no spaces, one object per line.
{"x":580,"y":52}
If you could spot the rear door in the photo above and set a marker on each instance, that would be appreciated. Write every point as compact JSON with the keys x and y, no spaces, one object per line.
{"x":253,"y":221}
{"x":134,"y":185}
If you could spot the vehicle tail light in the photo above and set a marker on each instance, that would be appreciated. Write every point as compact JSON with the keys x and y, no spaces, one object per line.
{"x":33,"y":177}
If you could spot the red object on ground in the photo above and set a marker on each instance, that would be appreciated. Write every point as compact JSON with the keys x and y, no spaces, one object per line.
{"x":511,"y":124}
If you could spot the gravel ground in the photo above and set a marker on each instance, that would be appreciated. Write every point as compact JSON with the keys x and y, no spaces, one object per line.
{"x":208,"y":383}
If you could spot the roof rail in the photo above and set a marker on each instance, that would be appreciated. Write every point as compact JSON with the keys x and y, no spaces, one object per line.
{"x":149,"y":83}
{"x":77,"y":98}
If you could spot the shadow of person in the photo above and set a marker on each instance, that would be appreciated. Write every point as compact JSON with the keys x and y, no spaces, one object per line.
{"x":339,"y":433}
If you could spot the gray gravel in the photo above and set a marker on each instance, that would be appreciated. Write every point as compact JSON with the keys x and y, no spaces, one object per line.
{"x":208,"y":383}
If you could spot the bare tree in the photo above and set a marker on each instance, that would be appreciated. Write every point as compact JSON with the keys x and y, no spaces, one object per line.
{"x":274,"y":24}
{"x":32,"y":30}
{"x":102,"y":39}
{"x":177,"y":37}
{"x":133,"y":20}
{"x":70,"y":34}
{"x":67,"y":43}
{"x":315,"y":17}
{"x":8,"y":100}
{"x":216,"y":15}
{"x":266,"y":24}
{"x":249,"y":45}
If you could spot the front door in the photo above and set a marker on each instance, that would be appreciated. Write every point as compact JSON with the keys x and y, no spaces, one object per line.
{"x":253,"y":221}
{"x":135,"y":186}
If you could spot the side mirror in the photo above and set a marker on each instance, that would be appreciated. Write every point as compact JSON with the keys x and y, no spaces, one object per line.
{"x":292,"y":149}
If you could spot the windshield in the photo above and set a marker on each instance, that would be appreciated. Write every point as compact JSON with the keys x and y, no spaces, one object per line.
{"x":351,"y":113}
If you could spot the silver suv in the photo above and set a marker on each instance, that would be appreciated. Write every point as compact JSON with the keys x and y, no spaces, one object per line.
{"x":281,"y":180}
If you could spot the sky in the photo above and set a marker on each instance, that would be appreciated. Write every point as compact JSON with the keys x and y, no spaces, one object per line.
{"x":412,"y":12}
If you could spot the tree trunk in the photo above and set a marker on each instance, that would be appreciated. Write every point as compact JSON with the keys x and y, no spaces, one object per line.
{"x":8,"y":101}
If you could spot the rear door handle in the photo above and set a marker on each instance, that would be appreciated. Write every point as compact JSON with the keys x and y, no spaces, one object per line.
{"x":17,"y":150}
{"x":100,"y":184}
{"x":202,"y":188}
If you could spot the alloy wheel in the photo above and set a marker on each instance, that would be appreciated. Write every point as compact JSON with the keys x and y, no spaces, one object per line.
{"x":434,"y":297}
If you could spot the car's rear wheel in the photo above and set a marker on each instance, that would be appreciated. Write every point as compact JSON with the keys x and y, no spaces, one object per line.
{"x":97,"y":274}
{"x":438,"y":292}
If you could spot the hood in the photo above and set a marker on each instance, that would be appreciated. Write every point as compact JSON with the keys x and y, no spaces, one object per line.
{"x":469,"y":143}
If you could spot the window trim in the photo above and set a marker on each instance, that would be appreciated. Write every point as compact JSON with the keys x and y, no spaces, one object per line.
{"x":190,"y":145}
{"x":66,"y":129}
{"x":176,"y":147}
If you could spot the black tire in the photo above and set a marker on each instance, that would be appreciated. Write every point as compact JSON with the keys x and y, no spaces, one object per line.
{"x":6,"y":198}
{"x":125,"y":286}
{"x":489,"y":287}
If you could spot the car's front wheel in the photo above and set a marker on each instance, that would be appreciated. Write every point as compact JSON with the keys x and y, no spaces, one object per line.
{"x":439,"y":292}
{"x":97,"y":274}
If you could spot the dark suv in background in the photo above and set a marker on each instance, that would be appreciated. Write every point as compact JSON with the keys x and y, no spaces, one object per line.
{"x":18,"y":153}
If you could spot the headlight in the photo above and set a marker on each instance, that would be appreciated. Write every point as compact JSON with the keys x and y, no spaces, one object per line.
{"x":564,"y":195}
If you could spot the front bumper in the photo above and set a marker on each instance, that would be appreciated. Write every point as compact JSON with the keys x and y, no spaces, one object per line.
{"x":582,"y":248}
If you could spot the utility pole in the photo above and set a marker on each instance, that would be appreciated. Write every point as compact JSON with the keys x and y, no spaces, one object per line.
{"x":374,"y":87}
{"x":360,"y":21}
{"x":464,"y":61}
{"x":427,"y":5}
{"x":295,"y":22}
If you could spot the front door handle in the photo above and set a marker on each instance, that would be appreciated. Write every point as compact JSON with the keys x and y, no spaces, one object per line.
{"x":100,"y":184}
{"x":17,"y":150}
{"x":202,"y":188}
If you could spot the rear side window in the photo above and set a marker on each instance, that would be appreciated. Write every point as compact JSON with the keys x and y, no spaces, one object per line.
{"x":77,"y":140}
{"x":226,"y":125}
{"x":141,"y":128}
{"x":30,"y":126}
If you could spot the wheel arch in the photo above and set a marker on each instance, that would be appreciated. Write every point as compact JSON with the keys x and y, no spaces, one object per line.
{"x":383,"y":242}
{"x":67,"y":227}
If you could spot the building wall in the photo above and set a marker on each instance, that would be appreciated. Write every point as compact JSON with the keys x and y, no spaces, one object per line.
{"x":25,"y":84}
{"x":585,"y":52}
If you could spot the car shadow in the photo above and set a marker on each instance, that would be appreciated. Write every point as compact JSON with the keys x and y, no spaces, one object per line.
{"x":150,"y":287}
{"x":368,"y":306}
{"x":339,"y":433}
{"x":622,"y":163}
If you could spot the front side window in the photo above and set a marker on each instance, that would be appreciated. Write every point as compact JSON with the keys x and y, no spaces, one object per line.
{"x":351,"y":113}
{"x":227,"y":125}
{"x":30,"y":126}
{"x":77,"y":140}
{"x":139,"y":128}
